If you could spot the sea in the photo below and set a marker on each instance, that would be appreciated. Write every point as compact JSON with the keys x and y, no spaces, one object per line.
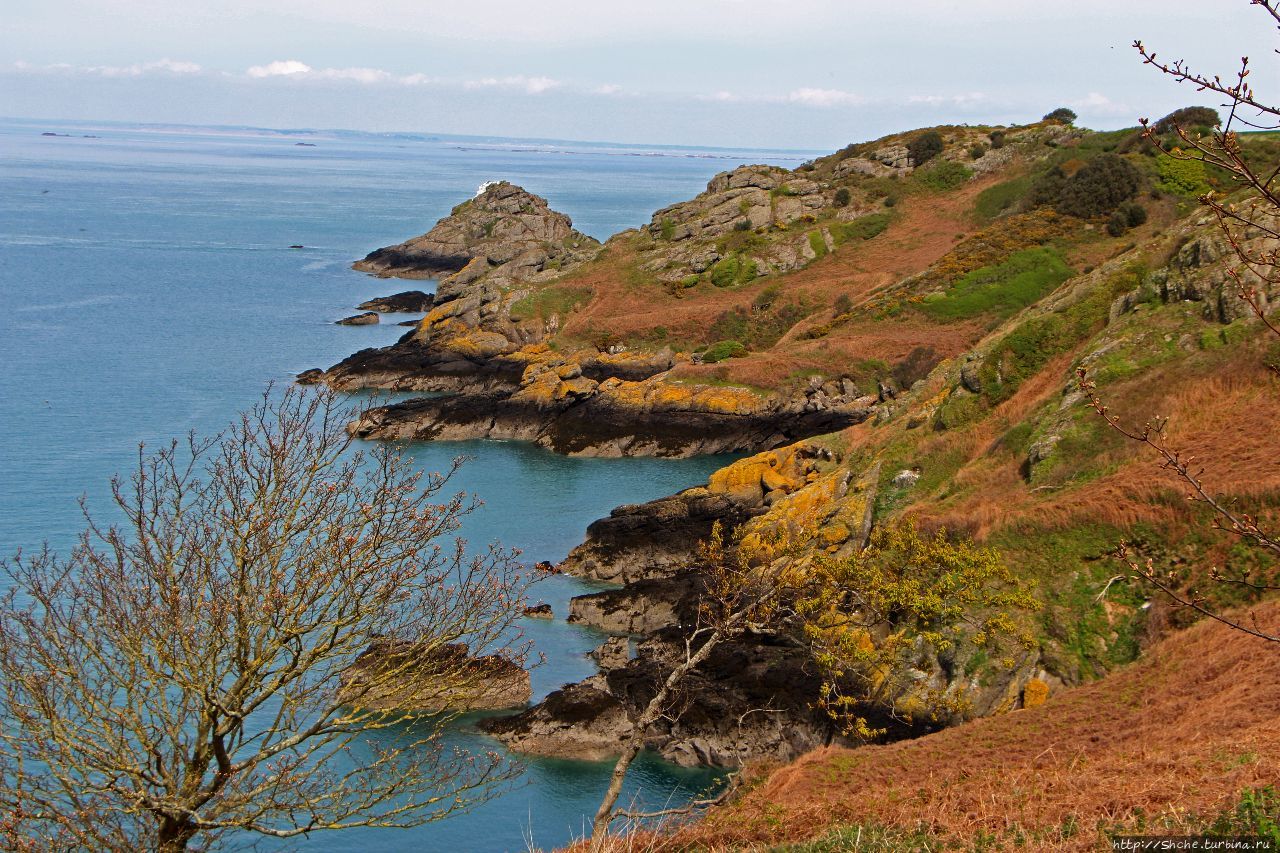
{"x":148,"y":287}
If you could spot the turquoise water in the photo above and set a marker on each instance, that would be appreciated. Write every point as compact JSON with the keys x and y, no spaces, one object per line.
{"x":147,"y":288}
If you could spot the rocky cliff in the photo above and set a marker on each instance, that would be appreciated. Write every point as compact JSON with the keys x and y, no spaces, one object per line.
{"x":897,"y":338}
{"x":504,"y":233}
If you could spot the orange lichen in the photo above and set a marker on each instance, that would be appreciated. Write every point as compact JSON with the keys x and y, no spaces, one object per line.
{"x":1035,"y":693}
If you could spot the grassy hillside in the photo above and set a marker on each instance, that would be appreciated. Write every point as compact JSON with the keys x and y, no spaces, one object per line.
{"x":968,"y":299}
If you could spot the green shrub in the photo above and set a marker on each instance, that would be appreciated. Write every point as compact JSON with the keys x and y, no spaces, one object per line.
{"x":890,"y":200}
{"x":1062,"y":115}
{"x":758,"y":327}
{"x":841,"y":198}
{"x":976,"y":150}
{"x":721,"y":350}
{"x":1098,"y":188}
{"x":725,"y":271}
{"x":1001,"y":289}
{"x":997,"y":138}
{"x":842,"y":305}
{"x":957,"y":410}
{"x":1188,"y":117}
{"x":765,"y":298}
{"x":1117,"y":224}
{"x":734,"y":269}
{"x":862,"y":228}
{"x":946,"y":175}
{"x":742,"y":225}
{"x":924,"y":147}
{"x":668,"y":228}
{"x":1134,"y":213}
{"x":1182,"y":177}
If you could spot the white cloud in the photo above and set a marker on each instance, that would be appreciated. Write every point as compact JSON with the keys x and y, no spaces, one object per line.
{"x":138,"y":69}
{"x":279,"y":68}
{"x":531,"y":85}
{"x":960,"y":100}
{"x":1098,"y":104}
{"x":824,"y":97}
{"x":607,"y":89}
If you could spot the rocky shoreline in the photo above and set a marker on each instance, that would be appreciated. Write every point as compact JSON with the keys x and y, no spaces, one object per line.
{"x":504,"y":375}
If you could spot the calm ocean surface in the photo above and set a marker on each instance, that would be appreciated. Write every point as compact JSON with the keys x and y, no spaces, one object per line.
{"x":147,"y":289}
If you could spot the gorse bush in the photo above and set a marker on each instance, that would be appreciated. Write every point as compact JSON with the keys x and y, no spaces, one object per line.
{"x":946,"y":175}
{"x":925,"y":147}
{"x":841,"y":198}
{"x":1097,"y":188}
{"x":1188,"y":117}
{"x":1181,"y":177}
{"x":722,"y":350}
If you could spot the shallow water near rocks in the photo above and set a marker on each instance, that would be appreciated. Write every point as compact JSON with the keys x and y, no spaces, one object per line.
{"x":148,"y":287}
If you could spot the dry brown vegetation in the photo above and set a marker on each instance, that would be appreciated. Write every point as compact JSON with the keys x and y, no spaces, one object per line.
{"x":1180,"y":733}
{"x":926,"y":229}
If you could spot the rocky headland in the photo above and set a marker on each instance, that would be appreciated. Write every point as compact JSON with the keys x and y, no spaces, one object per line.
{"x":891,"y":331}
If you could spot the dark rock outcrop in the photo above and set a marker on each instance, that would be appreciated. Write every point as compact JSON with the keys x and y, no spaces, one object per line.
{"x":433,"y":680}
{"x":405,"y":302}
{"x":585,"y":418}
{"x":748,"y":701}
{"x":369,"y":318}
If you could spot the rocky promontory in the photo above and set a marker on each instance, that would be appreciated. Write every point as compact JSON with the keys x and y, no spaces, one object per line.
{"x":409,"y":678}
{"x":504,"y":232}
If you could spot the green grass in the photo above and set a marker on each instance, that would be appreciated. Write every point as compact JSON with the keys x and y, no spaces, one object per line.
{"x":994,"y":201}
{"x":818,"y":244}
{"x":1003,"y":289}
{"x":1031,"y":344}
{"x":862,"y":228}
{"x":544,"y":303}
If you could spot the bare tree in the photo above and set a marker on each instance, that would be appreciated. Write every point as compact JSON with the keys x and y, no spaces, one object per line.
{"x":1249,"y":220}
{"x":186,"y":673}
{"x":740,"y":593}
{"x":861,"y":616}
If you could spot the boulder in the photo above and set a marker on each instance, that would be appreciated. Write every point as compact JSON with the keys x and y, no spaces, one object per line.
{"x":405,"y":302}
{"x":539,"y":611}
{"x":612,"y":653}
{"x":369,"y":318}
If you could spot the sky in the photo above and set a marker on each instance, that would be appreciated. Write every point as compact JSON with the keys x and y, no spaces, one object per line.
{"x":808,"y":74}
